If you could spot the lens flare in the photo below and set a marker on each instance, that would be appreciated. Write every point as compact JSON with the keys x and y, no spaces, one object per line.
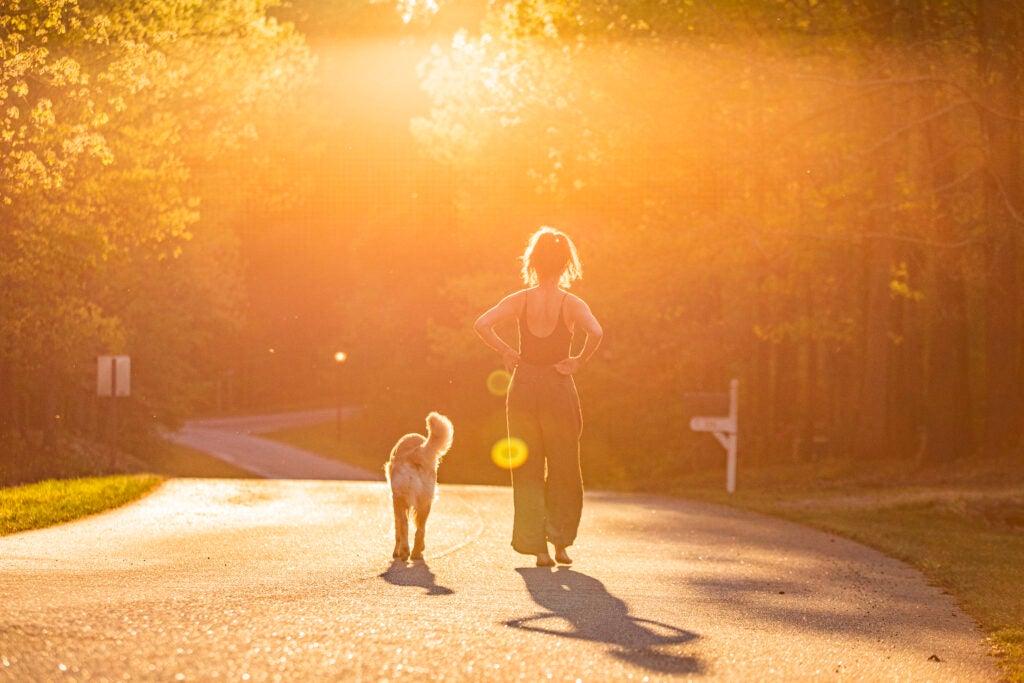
{"x":498,"y":381}
{"x":509,"y":453}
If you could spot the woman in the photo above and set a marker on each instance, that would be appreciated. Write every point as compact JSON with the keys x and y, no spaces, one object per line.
{"x":543,"y":408}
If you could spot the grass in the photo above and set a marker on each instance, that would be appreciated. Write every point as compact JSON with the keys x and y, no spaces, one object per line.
{"x":351,"y":448}
{"x":82,"y":478}
{"x":960,"y":542}
{"x":43,"y":504}
{"x":173,"y":460}
{"x":366,"y":442}
{"x":961,"y":525}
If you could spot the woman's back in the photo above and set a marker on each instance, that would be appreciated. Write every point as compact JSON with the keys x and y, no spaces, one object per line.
{"x":544,"y":309}
{"x":544,"y":336}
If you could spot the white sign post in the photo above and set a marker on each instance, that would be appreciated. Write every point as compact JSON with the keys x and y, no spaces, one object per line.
{"x":113,"y":376}
{"x":725,"y":431}
{"x":113,"y":380}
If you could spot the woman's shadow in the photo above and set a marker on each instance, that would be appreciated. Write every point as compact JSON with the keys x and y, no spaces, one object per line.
{"x":579,"y":606}
{"x":415,"y":574}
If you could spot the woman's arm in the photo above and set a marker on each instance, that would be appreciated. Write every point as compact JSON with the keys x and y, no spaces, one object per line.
{"x":581,"y":317}
{"x":484,"y":326}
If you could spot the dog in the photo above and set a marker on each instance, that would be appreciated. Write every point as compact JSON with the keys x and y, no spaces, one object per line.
{"x":412,"y":474}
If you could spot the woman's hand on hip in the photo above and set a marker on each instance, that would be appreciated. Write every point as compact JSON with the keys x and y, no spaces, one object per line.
{"x":510,"y":359}
{"x":568,"y":366}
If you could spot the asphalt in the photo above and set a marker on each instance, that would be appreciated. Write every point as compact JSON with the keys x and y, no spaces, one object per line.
{"x":291,"y":580}
{"x":234,"y":440}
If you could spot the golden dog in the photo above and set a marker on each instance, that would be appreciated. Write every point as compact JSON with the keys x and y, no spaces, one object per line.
{"x":412,"y":473}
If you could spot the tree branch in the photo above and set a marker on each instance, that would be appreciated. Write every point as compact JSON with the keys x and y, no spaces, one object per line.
{"x":914,"y":124}
{"x":913,"y":80}
{"x":1006,"y":197}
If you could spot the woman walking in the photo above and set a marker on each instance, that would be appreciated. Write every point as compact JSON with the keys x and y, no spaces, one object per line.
{"x":542,"y":407}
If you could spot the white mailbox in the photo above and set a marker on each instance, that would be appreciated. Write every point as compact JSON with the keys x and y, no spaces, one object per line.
{"x":725,"y":431}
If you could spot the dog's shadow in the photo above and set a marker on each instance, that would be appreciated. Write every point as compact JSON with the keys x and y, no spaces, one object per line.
{"x":414,"y":574}
{"x":580,"y":607}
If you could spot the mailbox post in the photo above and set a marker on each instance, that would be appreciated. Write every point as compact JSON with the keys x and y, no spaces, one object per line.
{"x":724,"y":429}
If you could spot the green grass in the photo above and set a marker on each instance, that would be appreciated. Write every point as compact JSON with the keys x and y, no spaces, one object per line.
{"x":42,"y":489}
{"x":354,"y":447}
{"x":980,"y":564}
{"x":43,"y":504}
{"x":967,"y":541}
{"x":173,"y":460}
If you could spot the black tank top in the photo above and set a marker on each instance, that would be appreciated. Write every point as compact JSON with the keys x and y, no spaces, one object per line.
{"x":544,"y":350}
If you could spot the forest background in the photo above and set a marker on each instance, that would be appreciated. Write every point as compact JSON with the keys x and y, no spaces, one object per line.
{"x":821,"y":199}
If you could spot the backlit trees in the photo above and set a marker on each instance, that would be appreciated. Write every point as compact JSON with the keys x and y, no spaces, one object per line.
{"x":109,"y":115}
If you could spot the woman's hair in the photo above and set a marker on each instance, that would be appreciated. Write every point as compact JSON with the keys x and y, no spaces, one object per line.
{"x":551,"y":253}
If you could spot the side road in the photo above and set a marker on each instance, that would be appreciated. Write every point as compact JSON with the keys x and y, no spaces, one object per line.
{"x":234,"y":440}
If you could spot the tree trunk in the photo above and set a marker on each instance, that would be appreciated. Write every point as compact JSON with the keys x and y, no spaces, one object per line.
{"x":1000,"y":28}
{"x":948,"y":416}
{"x":48,"y":415}
{"x":870,"y":437}
{"x":7,"y":400}
{"x":904,"y":392}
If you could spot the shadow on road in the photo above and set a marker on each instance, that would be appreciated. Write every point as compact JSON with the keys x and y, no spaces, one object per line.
{"x":415,"y":574}
{"x":579,"y":606}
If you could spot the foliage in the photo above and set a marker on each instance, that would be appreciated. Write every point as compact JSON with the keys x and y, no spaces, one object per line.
{"x":112,"y":115}
{"x":790,"y":193}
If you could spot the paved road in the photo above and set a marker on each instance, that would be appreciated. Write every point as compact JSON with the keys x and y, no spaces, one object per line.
{"x":292,"y":580}
{"x":262,"y":580}
{"x":233,"y":440}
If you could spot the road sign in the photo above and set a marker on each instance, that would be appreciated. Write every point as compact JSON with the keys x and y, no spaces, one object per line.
{"x":113,"y":376}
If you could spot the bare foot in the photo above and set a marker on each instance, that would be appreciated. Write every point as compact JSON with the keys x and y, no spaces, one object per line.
{"x":561,"y":556}
{"x":544,"y":560}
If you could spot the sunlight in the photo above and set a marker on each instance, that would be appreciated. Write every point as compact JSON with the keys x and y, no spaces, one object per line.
{"x":498,"y":381}
{"x":417,"y":9}
{"x":509,"y":453}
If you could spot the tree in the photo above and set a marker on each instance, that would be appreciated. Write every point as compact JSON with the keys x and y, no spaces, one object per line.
{"x":800,"y":183}
{"x":111,"y":114}
{"x":1000,"y":29}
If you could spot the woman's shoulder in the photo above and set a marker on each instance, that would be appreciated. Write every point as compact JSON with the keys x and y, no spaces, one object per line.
{"x":575,"y":307}
{"x":515,"y":299}
{"x":518,"y":295}
{"x":574,"y":300}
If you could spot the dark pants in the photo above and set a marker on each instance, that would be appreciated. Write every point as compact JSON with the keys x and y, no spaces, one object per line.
{"x":543,"y":410}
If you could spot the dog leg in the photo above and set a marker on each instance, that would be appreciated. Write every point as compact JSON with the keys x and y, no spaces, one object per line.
{"x":401,"y":530}
{"x":421,"y":512}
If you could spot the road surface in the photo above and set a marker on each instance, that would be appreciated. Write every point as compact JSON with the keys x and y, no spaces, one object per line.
{"x":291,"y":580}
{"x":234,"y":440}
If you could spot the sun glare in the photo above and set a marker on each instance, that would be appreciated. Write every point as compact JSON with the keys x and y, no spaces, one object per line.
{"x":498,"y":381}
{"x":509,"y":453}
{"x":417,"y":9}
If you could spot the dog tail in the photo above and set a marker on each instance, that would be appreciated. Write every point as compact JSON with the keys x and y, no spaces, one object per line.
{"x":440,"y":433}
